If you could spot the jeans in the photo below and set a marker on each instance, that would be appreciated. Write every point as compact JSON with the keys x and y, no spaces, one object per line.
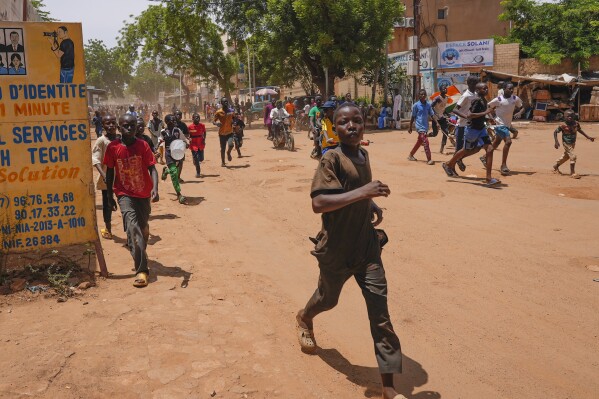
{"x":459,"y":137}
{"x":136,"y":214}
{"x":66,"y":75}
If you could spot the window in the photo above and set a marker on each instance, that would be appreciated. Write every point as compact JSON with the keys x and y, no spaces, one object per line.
{"x":441,"y":13}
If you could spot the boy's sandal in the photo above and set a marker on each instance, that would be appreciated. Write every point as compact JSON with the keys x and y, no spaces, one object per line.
{"x":106,"y":234}
{"x":164,"y":173}
{"x":493,"y":182}
{"x":306,"y":339}
{"x":182,"y":199}
{"x":141,"y":280}
{"x":556,"y":171}
{"x":483,"y":160}
{"x":450,"y":172}
{"x":575,"y":176}
{"x":505,"y":171}
{"x":461,"y":165}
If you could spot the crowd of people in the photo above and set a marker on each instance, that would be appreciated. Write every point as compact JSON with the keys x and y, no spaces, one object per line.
{"x":343,"y":190}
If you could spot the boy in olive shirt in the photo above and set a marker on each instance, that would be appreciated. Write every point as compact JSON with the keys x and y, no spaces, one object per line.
{"x":348,"y":245}
{"x":569,"y":131}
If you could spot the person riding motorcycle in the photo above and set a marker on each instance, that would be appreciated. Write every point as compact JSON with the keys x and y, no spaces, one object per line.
{"x":277,"y":115}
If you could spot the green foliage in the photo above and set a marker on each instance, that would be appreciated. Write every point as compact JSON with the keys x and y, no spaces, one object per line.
{"x":179,"y":35}
{"x":148,"y":81}
{"x":551,"y":32}
{"x":297,"y":39}
{"x":40,"y":8}
{"x":105,"y":68}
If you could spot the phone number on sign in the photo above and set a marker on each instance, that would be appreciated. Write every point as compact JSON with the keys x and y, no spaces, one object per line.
{"x":36,"y":199}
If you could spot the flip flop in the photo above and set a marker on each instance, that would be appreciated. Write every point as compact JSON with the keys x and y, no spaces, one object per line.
{"x":505,"y":171}
{"x":182,"y":199}
{"x":141,"y":280}
{"x":461,"y":165}
{"x":493,"y":182}
{"x":106,"y":234}
{"x":575,"y":176}
{"x":483,"y":160}
{"x":450,"y":172}
{"x":306,"y":339}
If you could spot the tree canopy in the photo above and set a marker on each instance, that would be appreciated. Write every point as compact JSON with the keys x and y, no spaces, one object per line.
{"x":104,"y":67}
{"x":148,"y":81}
{"x":551,"y":32}
{"x":297,"y":39}
{"x":179,"y":35}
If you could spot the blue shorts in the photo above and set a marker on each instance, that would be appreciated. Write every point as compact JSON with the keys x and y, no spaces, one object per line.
{"x":502,"y":131}
{"x":475,"y":138}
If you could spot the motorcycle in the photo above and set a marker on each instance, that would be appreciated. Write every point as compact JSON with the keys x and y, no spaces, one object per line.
{"x":283,"y":135}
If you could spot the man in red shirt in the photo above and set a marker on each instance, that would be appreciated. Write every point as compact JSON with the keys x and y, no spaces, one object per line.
{"x":197,"y":133}
{"x":132,"y":176}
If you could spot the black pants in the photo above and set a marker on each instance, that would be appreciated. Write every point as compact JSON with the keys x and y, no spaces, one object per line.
{"x":459,"y":138}
{"x":373,"y":283}
{"x":106,"y":208}
{"x":444,"y":127}
{"x":136,"y":214}
{"x":223,"y":145}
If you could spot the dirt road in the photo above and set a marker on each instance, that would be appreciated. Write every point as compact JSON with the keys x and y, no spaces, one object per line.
{"x":489,"y":289}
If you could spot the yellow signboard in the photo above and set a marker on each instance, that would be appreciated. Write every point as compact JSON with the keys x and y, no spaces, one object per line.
{"x":46,"y":191}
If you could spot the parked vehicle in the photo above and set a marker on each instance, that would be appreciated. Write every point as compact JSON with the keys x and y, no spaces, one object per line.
{"x":257,"y":110}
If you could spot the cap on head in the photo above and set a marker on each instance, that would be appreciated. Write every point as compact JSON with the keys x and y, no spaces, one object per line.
{"x":329,"y":105}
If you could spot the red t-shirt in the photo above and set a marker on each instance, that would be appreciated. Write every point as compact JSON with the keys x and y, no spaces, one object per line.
{"x":197,"y":134}
{"x":131,"y":163}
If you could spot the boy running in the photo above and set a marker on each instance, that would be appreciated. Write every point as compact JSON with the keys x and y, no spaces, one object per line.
{"x":475,"y":136}
{"x":168,"y":135}
{"x":98,"y":153}
{"x":464,"y":104}
{"x":504,"y":107}
{"x":223,"y":118}
{"x":132,"y":176}
{"x":421,"y":112}
{"x":238,"y":127}
{"x":569,"y":131}
{"x":329,"y":139}
{"x":155,"y":126}
{"x":439,"y":104}
{"x":197,"y":134}
{"x":348,"y":245}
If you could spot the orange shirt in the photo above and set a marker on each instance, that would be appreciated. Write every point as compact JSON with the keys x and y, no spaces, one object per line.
{"x":290,"y":108}
{"x":226,"y":122}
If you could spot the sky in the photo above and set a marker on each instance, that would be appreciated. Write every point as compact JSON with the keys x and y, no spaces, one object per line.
{"x":101,"y":19}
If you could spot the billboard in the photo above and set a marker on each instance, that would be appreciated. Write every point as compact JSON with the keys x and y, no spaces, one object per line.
{"x":46,"y":191}
{"x":428,"y":58}
{"x":468,"y":53}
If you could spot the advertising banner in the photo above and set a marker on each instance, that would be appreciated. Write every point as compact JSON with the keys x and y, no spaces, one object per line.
{"x":428,"y":58}
{"x":457,"y":78}
{"x":468,"y":53}
{"x":46,"y":191}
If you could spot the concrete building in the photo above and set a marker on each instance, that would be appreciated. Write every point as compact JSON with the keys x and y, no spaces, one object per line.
{"x":18,"y":10}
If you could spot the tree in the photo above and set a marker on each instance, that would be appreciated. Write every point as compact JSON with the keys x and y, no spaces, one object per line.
{"x":41,"y":11}
{"x":148,"y":81}
{"x":106,"y":68}
{"x":375,"y":75}
{"x":179,"y":35}
{"x":551,"y":32}
{"x":298,"y":39}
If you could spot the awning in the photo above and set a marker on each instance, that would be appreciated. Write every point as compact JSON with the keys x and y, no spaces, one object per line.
{"x":496,"y":75}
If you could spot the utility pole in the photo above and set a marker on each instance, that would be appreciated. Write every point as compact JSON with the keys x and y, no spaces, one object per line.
{"x":249,"y":71}
{"x":416,"y":82}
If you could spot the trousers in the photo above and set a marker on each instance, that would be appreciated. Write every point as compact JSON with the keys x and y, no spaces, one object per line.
{"x":373,"y":283}
{"x":106,"y":208}
{"x":422,"y":140}
{"x":136,"y":214}
{"x":568,"y":154}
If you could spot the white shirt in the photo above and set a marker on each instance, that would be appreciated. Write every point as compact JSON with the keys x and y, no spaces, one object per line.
{"x":278,"y":114}
{"x":307,"y":109}
{"x":464,"y":103}
{"x":504,"y":109}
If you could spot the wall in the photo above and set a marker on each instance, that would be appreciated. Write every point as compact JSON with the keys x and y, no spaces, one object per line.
{"x":466,"y":19}
{"x":530,"y":66}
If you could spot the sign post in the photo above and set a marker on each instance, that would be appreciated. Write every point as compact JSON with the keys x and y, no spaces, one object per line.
{"x":47,"y":197}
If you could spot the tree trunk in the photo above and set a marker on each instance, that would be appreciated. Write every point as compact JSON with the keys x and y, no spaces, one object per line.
{"x":375,"y":80}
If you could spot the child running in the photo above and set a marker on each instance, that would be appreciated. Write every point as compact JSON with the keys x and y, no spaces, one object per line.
{"x":569,"y":131}
{"x":238,"y":127}
{"x":168,"y":135}
{"x":464,"y":104}
{"x":421,"y":113}
{"x":98,"y":152}
{"x":504,"y":106}
{"x":348,"y":245}
{"x":197,"y":134}
{"x":476,"y":136}
{"x":132,"y":176}
{"x":223,"y":118}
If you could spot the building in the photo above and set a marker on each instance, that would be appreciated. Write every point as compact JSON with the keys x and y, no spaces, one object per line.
{"x":18,"y":10}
